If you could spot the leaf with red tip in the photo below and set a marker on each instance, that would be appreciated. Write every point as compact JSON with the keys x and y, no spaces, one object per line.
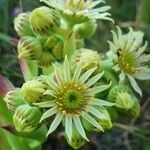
{"x":5,"y":85}
{"x":29,"y":69}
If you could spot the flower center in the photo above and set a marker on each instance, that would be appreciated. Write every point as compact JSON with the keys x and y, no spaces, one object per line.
{"x":73,"y":98}
{"x":78,"y":5}
{"x":128,"y":62}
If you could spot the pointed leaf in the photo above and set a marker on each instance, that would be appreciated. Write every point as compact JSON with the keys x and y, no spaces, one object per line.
{"x":5,"y":85}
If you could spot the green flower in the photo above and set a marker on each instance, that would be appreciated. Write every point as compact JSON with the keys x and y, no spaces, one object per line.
{"x":73,"y":99}
{"x":128,"y":55}
{"x":77,"y":11}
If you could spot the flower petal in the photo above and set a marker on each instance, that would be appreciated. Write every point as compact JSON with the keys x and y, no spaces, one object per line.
{"x":97,"y":113}
{"x":92,"y":121}
{"x":79,"y":127}
{"x":46,"y":104}
{"x":55,"y":123}
{"x":121,"y":77}
{"x":78,"y":71}
{"x":49,"y":113}
{"x":66,"y":69}
{"x":97,"y":2}
{"x":94,"y":79}
{"x":100,"y":102}
{"x":49,"y":92}
{"x":135,"y":85}
{"x":101,"y":88}
{"x":58,"y":74}
{"x":68,"y":127}
{"x":87,"y":74}
{"x":144,"y":76}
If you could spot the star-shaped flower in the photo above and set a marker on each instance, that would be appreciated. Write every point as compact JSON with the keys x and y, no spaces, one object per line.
{"x":127,"y":51}
{"x":73,"y":99}
{"x":81,"y":8}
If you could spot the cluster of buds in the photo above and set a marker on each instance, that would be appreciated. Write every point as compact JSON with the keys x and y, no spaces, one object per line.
{"x":39,"y":40}
{"x":124,"y":100}
{"x":76,"y":88}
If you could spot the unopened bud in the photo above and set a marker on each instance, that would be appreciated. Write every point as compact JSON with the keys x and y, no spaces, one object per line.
{"x":14,"y":99}
{"x":87,"y":29}
{"x":26,"y":118}
{"x":55,"y":45}
{"x":46,"y":59}
{"x":29,"y":48}
{"x":124,"y":100}
{"x":22,"y":24}
{"x":33,"y":90}
{"x":89,"y":58}
{"x":44,"y":21}
{"x":121,"y":88}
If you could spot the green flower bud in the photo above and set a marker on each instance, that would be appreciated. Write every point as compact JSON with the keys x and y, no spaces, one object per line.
{"x":26,"y":118}
{"x":135,"y":110}
{"x":22,"y":24}
{"x":33,"y":90}
{"x":124,"y":100}
{"x":29,"y":48}
{"x":77,"y":141}
{"x":44,"y":21}
{"x":55,"y":45}
{"x":121,"y":88}
{"x":13,"y":99}
{"x":46,"y":59}
{"x":87,"y":29}
{"x":89,"y":58}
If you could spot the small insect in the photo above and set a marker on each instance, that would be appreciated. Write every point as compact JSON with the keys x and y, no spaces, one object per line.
{"x":118,"y":52}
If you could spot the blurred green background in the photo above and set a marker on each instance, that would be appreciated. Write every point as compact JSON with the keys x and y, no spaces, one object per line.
{"x":135,"y":13}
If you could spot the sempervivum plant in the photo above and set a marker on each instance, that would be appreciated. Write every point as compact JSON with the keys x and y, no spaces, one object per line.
{"x":67,"y":86}
{"x":128,"y":54}
{"x":74,"y":99}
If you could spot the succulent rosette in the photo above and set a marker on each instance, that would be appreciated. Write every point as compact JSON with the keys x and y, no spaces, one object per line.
{"x":127,"y":51}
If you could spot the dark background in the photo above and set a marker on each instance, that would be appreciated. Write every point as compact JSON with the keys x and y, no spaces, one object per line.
{"x":135,"y":13}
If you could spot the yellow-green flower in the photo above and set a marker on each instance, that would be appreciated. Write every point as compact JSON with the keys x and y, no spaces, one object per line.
{"x":127,"y":51}
{"x":74,"y":99}
{"x":78,"y":10}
